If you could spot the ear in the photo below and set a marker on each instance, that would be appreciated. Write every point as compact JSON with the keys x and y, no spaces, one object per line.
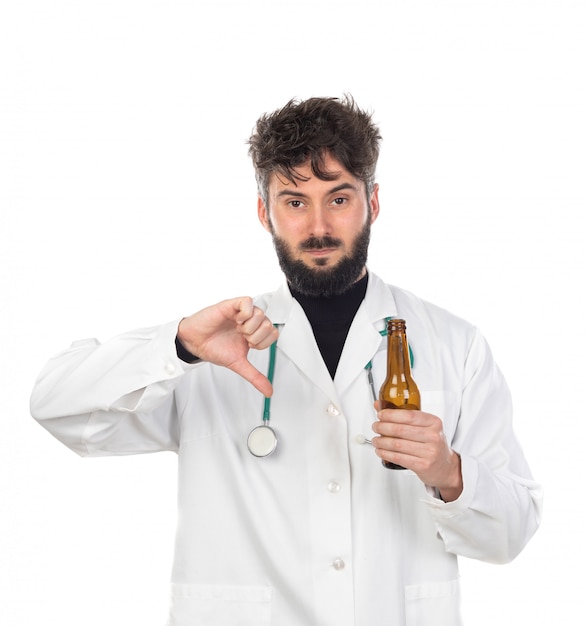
{"x":263,"y":214}
{"x":374,"y":204}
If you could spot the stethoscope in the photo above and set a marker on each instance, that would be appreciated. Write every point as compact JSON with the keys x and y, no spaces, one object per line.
{"x":262,"y":440}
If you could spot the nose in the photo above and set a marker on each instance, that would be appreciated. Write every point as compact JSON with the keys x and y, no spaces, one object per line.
{"x":319,"y":223}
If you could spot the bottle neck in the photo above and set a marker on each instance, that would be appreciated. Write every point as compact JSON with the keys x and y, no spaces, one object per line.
{"x":398,"y":353}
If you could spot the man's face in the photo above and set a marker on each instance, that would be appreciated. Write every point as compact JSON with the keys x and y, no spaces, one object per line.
{"x":320,"y":228}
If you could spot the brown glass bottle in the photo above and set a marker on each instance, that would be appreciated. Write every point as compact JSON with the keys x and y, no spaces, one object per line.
{"x":399,"y":391}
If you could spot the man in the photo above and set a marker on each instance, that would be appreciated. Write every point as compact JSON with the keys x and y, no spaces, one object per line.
{"x":310,"y":528}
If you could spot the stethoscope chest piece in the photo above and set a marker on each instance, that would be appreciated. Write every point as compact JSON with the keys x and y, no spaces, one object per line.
{"x":262,"y":441}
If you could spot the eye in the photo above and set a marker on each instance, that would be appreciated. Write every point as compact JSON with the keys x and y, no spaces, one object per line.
{"x":295,"y":204}
{"x":340,"y":201}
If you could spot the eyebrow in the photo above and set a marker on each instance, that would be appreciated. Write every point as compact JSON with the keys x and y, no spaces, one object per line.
{"x":298,"y":194}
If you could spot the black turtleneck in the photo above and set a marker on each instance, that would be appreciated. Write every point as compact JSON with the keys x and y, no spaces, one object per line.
{"x":330,"y":318}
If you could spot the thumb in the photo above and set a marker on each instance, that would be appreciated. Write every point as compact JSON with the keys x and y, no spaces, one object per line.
{"x":245,"y":369}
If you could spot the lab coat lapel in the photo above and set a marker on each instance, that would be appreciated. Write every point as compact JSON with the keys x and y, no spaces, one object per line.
{"x":297,"y":341}
{"x":364,"y":338}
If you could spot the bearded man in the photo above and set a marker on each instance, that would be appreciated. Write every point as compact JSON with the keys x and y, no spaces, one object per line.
{"x":298,"y":523}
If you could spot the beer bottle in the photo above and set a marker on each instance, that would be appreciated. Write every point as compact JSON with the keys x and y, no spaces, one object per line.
{"x":399,"y":390}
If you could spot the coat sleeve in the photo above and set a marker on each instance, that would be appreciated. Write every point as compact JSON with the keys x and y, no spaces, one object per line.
{"x":500,"y":507}
{"x":113,"y":398}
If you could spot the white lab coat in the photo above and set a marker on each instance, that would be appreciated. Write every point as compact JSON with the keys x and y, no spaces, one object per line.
{"x":319,"y":533}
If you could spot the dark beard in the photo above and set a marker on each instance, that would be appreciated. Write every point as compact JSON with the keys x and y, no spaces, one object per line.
{"x":326,"y":281}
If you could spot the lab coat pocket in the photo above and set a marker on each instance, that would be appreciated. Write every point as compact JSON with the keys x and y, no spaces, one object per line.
{"x":433,"y":604}
{"x":219,"y":605}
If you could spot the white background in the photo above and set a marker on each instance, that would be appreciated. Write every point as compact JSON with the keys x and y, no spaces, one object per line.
{"x":128,"y":199}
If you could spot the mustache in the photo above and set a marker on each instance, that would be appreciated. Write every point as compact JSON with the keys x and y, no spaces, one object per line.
{"x":319,"y":243}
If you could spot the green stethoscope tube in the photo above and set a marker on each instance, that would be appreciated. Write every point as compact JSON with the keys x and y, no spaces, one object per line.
{"x":266,"y":414}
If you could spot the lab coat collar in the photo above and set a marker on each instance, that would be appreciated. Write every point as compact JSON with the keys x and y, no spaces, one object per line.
{"x":364,"y":338}
{"x":297,"y":341}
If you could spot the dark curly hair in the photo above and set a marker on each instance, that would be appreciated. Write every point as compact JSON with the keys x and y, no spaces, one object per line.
{"x":308,"y":130}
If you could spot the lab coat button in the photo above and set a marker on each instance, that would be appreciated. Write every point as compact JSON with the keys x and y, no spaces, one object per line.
{"x":170,"y":368}
{"x":338,"y":564}
{"x":333,"y":411}
{"x":334,"y":487}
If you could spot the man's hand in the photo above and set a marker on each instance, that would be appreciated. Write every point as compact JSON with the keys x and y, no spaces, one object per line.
{"x":416,"y":440}
{"x":224,"y":333}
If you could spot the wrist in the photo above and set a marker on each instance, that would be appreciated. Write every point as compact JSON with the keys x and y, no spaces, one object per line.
{"x":454,"y":487}
{"x":182,"y":352}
